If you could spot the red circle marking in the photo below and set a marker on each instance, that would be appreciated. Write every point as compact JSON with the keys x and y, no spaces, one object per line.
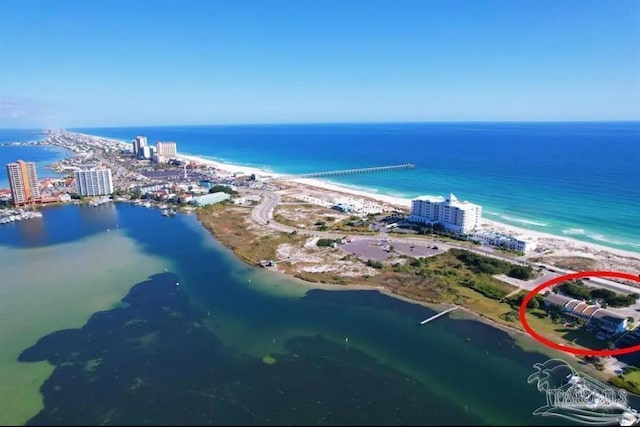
{"x":578,"y":351}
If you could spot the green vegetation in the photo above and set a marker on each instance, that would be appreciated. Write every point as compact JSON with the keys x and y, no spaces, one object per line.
{"x":322,"y":226}
{"x":482,"y":264}
{"x":577,"y":289}
{"x":559,"y":330}
{"x":375,"y":264}
{"x":516,"y":300}
{"x":325,"y":242}
{"x":352,"y":225}
{"x":285,"y":221}
{"x":486,"y":288}
{"x":629,"y":380}
{"x":222,"y":188}
{"x":268,"y":359}
{"x":447,"y":273}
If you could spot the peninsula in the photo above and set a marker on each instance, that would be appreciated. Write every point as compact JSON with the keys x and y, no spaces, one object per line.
{"x":333,"y":235}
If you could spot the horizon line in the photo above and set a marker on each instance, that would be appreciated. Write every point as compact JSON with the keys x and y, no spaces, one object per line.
{"x":325,"y":123}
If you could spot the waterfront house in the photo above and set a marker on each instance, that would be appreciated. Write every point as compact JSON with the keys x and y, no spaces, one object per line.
{"x":596,"y":316}
{"x":610,"y":322}
{"x":557,"y":300}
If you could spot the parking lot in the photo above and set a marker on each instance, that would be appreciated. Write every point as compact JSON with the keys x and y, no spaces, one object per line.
{"x":367,"y":249}
{"x":379,"y":250}
{"x":416,"y":251}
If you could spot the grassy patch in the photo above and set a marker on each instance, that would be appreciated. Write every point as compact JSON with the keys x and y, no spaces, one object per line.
{"x":574,"y":263}
{"x":352,"y":226}
{"x":629,"y":381}
{"x":230,"y":225}
{"x":278,"y":217}
{"x":265,"y":247}
{"x":305,"y":216}
{"x":557,"y":332}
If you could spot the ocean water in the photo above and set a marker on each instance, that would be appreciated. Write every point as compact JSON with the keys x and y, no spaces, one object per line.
{"x":574,"y":179}
{"x":580,"y":180}
{"x":235,"y":345}
{"x":42,"y":156}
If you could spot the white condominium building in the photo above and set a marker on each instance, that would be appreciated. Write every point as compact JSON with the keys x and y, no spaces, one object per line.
{"x":453,"y":214}
{"x":94,"y":182}
{"x":167,"y":149}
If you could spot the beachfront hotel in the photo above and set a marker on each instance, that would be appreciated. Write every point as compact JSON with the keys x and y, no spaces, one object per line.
{"x":165,"y":151}
{"x":96,"y":181}
{"x":23,"y":181}
{"x":453,"y":214}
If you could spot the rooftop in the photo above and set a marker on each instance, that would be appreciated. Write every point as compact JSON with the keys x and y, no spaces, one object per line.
{"x":451,"y":200}
{"x":558,"y":299}
{"x":607,"y":316}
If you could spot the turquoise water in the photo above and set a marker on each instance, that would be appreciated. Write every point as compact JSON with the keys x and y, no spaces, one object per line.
{"x":575,"y":179}
{"x":572,"y":179}
{"x":42,"y":156}
{"x":233,"y":345}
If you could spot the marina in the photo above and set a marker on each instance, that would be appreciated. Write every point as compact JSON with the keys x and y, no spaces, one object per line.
{"x":9,"y":216}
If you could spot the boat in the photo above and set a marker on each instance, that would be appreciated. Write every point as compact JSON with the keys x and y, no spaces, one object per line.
{"x":164,"y":212}
{"x":629,"y":418}
{"x":172,"y":212}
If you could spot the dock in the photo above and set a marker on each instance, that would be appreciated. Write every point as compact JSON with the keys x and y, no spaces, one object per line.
{"x":435,"y":316}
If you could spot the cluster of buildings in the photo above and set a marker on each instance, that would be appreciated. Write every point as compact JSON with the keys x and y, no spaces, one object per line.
{"x":161,"y":153}
{"x":357,"y":205}
{"x":465,"y":218}
{"x":183,"y":193}
{"x":95,"y":180}
{"x":604,"y":321}
{"x":455,"y":215}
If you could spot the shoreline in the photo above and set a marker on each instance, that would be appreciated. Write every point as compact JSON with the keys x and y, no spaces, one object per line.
{"x":561,"y":244}
{"x":231,"y":169}
{"x":516,"y":333}
{"x":403,"y":203}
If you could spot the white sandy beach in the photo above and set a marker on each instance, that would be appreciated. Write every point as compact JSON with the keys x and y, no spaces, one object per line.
{"x":557,"y":246}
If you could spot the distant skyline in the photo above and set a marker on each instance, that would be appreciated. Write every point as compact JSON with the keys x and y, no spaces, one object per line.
{"x":73,"y":63}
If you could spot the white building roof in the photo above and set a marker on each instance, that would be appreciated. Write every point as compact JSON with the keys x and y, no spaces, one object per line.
{"x":433,"y":199}
{"x":451,"y":200}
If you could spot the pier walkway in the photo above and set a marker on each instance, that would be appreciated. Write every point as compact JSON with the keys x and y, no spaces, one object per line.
{"x":435,"y":316}
{"x":345,"y":172}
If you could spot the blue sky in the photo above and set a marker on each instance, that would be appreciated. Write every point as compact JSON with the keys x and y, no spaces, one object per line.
{"x":130,"y":62}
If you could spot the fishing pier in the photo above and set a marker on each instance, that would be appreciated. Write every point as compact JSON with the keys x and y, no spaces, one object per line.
{"x":346,"y":172}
